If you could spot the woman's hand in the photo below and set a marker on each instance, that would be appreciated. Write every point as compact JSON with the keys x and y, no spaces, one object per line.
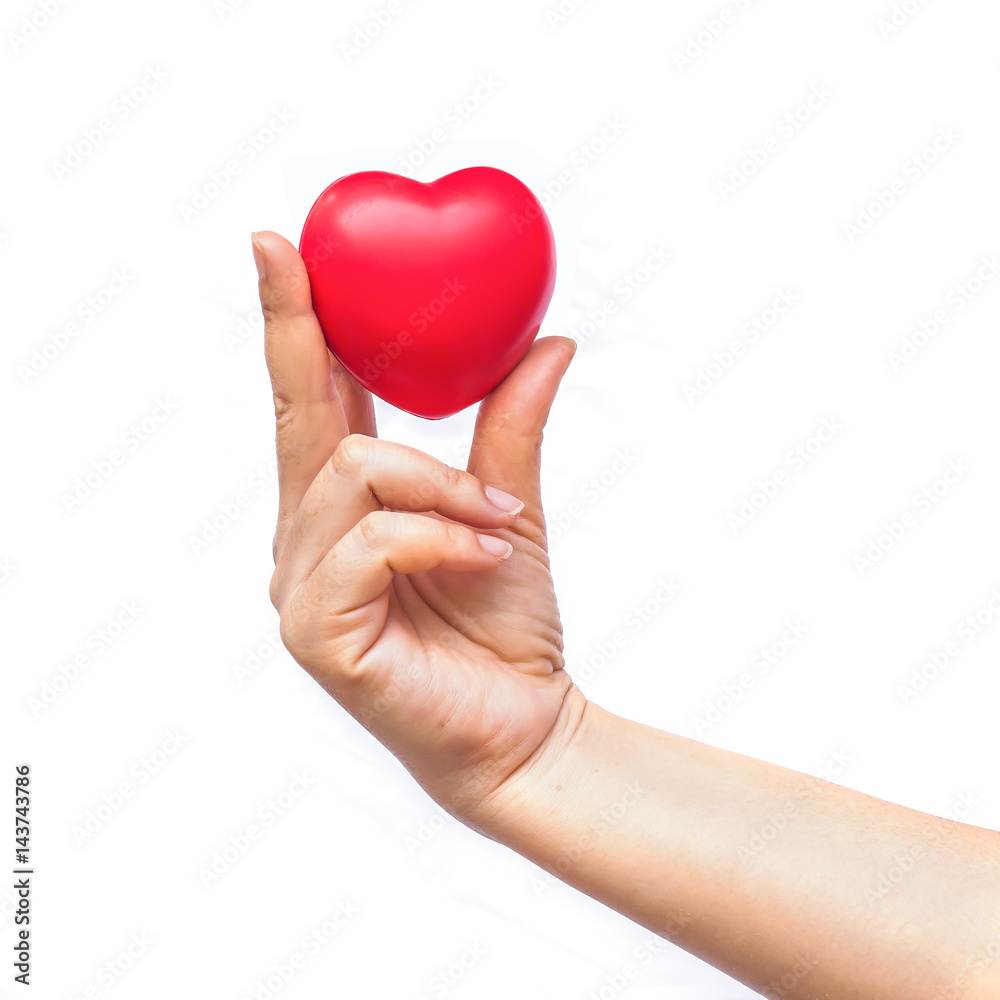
{"x":417,"y":594}
{"x":451,"y":655}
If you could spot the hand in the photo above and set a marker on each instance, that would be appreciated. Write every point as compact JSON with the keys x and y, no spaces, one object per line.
{"x":416,"y":594}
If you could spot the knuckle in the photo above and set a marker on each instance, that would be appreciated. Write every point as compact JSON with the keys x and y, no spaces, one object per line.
{"x":455,"y":535}
{"x":277,"y":296}
{"x":351,"y":453}
{"x":534,"y":532}
{"x":282,"y":409}
{"x":282,"y":527}
{"x":374,"y":530}
{"x":291,"y":630}
{"x":289,"y":633}
{"x":300,"y":626}
{"x":276,"y":590}
{"x":291,"y":419}
{"x":452,"y":478}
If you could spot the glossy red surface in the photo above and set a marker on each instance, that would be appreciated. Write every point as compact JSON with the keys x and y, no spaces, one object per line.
{"x":429,"y":294}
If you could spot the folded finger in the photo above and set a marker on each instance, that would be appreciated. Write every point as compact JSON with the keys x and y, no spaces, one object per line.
{"x":366,"y":475}
{"x":346,"y":595}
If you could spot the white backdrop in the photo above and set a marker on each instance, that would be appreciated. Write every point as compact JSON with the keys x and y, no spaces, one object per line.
{"x":796,"y":557}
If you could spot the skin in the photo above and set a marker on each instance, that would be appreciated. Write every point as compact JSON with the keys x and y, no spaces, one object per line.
{"x":421,"y":600}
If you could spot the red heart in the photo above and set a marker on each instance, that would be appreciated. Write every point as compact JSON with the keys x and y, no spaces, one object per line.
{"x":429,"y":294}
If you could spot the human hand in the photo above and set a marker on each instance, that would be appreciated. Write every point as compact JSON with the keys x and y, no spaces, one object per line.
{"x":410,"y":590}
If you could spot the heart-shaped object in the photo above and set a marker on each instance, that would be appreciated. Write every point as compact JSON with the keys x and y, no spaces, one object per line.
{"x":429,"y":294}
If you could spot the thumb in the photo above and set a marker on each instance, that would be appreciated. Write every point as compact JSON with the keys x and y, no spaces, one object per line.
{"x":506,"y":445}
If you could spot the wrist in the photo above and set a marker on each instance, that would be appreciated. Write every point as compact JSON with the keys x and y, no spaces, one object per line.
{"x":588,"y":807}
{"x":542,"y":795}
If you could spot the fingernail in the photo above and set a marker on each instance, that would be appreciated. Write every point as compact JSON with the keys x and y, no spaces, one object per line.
{"x":258,"y":255}
{"x":495,"y":546}
{"x":507,"y":503}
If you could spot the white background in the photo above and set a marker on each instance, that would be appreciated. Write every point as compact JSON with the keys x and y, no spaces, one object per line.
{"x":186,"y":329}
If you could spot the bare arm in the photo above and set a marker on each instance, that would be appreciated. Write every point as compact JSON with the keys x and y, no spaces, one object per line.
{"x":798,"y":887}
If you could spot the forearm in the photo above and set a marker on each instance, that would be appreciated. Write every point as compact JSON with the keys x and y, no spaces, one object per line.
{"x":797,"y":887}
